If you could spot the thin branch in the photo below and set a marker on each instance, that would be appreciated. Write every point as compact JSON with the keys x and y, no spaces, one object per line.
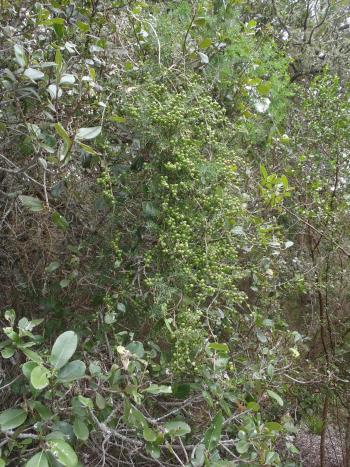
{"x":317,"y":231}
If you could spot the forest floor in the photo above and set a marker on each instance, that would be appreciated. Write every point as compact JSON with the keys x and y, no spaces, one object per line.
{"x":309,"y":445}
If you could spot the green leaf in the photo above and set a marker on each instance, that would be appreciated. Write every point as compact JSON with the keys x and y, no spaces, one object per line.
{"x":95,"y":368}
{"x":84,"y":27}
{"x":39,"y":460}
{"x":87,"y":148}
{"x":62,"y":427}
{"x":27,"y":368}
{"x":276,"y":397}
{"x":72,"y":371}
{"x":264,"y":88}
{"x":55,"y":435}
{"x":254,"y":406}
{"x":155,"y":389}
{"x":203,"y":57}
{"x":263,"y":171}
{"x":62,"y":133}
{"x":284,"y":181}
{"x":34,"y":204}
{"x":261,"y":336}
{"x":12,"y":418}
{"x":60,"y":221}
{"x":63,"y":349}
{"x":149,"y":434}
{"x":100,"y":401}
{"x":242,"y":446}
{"x":110,"y":318}
{"x":86,"y":402}
{"x":58,"y":59}
{"x":67,"y":80}
{"x":33,"y":74}
{"x":8,"y":352}
{"x":88,"y":133}
{"x":39,"y":377}
{"x":32,"y":355}
{"x":25,"y":325}
{"x":274,"y":426}
{"x":10,"y":316}
{"x":80,"y":429}
{"x":63,"y":452}
{"x":153,"y":450}
{"x":177,"y":428}
{"x":181,"y":390}
{"x":52,"y":266}
{"x":59,"y":29}
{"x":2,"y":463}
{"x":64,"y":283}
{"x":213,"y":434}
{"x":205,"y":43}
{"x":291,"y":448}
{"x":200,"y":21}
{"x":117,"y":119}
{"x":218,"y":347}
{"x":44,"y":412}
{"x":54,"y":91}
{"x":136,"y":348}
{"x":270,"y":457}
{"x":128,"y":66}
{"x":20,"y":55}
{"x":121,"y":307}
{"x":198,"y":456}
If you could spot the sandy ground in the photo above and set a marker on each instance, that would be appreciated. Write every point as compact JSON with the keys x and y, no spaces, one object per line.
{"x":309,"y":446}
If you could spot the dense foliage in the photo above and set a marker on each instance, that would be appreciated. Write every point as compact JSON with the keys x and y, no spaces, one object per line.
{"x":174,"y":242}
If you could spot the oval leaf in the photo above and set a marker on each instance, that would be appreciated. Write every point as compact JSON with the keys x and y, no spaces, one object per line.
{"x":242,"y":446}
{"x":213,"y":434}
{"x":39,"y":460}
{"x":276,"y":397}
{"x":80,"y":429}
{"x":39,"y":377}
{"x":136,"y":348}
{"x":198,"y":456}
{"x":218,"y":347}
{"x":27,"y":368}
{"x":274,"y":426}
{"x":54,"y":91}
{"x":12,"y":418}
{"x":149,"y":434}
{"x":34,"y":204}
{"x":62,"y":133}
{"x":153,"y":450}
{"x":52,"y":266}
{"x":67,"y":79}
{"x":72,"y":371}
{"x":20,"y":55}
{"x":63,"y":348}
{"x":33,"y":74}
{"x":88,"y":133}
{"x":100,"y":401}
{"x":176,"y":428}
{"x":156,"y":389}
{"x":205,"y":43}
{"x":203,"y":57}
{"x":60,"y":221}
{"x":63,"y":452}
{"x":35,"y":357}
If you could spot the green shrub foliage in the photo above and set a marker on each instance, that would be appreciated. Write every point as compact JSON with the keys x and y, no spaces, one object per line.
{"x":173,"y":231}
